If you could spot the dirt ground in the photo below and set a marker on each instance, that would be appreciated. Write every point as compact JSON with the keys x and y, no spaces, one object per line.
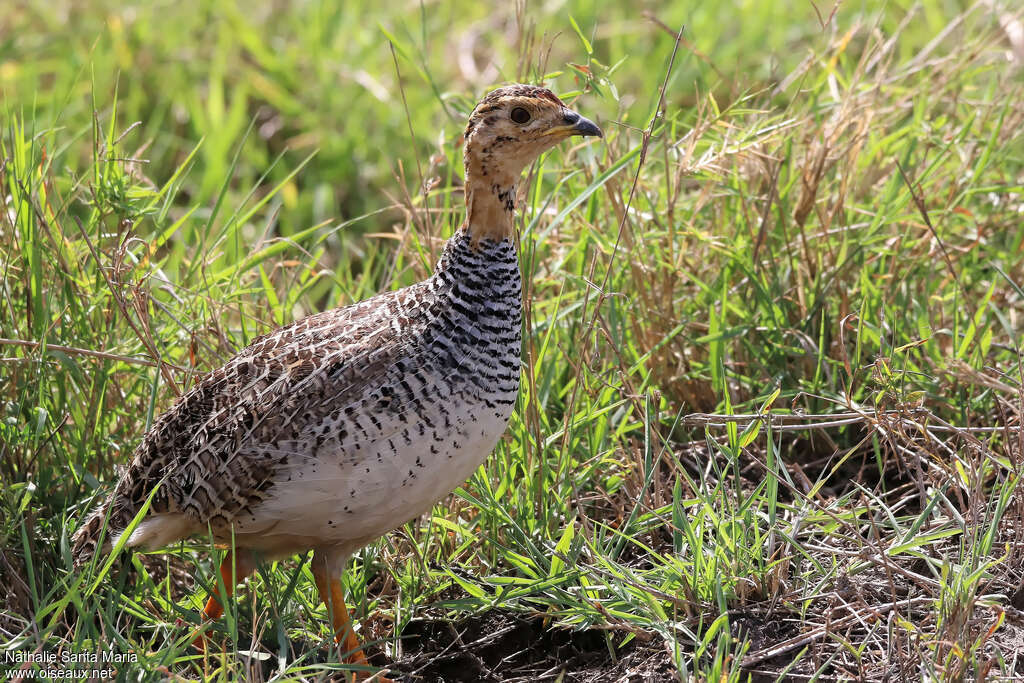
{"x":504,"y":646}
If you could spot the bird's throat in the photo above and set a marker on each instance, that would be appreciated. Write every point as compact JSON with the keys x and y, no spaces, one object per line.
{"x":490,"y":209}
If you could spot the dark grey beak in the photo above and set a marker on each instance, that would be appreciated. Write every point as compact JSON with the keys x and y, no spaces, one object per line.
{"x":582,"y":126}
{"x":587,"y":127}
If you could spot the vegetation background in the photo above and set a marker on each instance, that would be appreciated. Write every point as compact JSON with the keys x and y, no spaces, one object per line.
{"x":771,"y":418}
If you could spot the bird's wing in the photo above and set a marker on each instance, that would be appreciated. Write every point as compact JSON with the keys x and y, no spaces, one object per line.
{"x":215,"y":453}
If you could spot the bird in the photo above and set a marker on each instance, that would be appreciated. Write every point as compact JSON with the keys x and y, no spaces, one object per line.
{"x":331,"y":431}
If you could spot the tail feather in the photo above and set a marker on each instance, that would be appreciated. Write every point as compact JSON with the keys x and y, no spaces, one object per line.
{"x":97,"y":526}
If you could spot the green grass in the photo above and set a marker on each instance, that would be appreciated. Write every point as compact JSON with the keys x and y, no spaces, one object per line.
{"x":772,"y":372}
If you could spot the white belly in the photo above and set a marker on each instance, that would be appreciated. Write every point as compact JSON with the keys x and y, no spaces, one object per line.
{"x":341,"y":498}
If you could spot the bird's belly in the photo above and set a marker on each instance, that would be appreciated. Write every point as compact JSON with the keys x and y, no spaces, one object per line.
{"x":352,"y":495}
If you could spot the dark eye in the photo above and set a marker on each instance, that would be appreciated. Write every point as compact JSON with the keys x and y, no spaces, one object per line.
{"x":520,"y":115}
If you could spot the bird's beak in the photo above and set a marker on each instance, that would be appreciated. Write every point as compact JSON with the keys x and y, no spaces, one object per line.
{"x":586,"y":127}
{"x":575,"y":125}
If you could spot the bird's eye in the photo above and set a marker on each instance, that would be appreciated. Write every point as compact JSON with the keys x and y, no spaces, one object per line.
{"x":520,"y":115}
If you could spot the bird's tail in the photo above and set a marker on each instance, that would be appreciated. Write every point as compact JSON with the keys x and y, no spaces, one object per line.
{"x":86,"y":540}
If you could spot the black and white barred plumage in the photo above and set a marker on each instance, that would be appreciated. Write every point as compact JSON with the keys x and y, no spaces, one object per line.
{"x":330,"y":431}
{"x":404,"y":381}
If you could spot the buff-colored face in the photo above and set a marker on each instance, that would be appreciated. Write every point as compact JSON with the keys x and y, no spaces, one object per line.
{"x":511,"y":126}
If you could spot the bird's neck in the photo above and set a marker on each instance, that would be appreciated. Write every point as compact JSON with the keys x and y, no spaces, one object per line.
{"x":486,"y":240}
{"x":490,"y":212}
{"x":486,"y":266}
{"x":490,"y":196}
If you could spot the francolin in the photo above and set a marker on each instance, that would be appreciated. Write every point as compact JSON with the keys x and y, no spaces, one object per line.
{"x":331,"y":431}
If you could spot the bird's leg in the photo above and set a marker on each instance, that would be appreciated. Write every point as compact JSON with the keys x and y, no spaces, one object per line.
{"x":333,"y":596}
{"x":233,"y":569}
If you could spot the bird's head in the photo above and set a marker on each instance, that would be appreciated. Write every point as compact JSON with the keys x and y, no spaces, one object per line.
{"x":508,"y":129}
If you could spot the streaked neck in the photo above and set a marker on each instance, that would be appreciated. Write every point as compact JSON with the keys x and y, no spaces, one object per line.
{"x":490,"y":210}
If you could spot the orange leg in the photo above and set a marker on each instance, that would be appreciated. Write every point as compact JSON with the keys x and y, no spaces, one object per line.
{"x":333,"y":597}
{"x":233,"y":569}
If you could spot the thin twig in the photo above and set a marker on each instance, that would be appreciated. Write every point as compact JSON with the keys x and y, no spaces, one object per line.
{"x":915,"y":195}
{"x":122,"y":306}
{"x":75,"y":351}
{"x":412,"y":139}
{"x":819,"y":632}
{"x":798,"y":423}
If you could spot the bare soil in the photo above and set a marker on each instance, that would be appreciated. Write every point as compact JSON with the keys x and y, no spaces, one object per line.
{"x":500,"y":645}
